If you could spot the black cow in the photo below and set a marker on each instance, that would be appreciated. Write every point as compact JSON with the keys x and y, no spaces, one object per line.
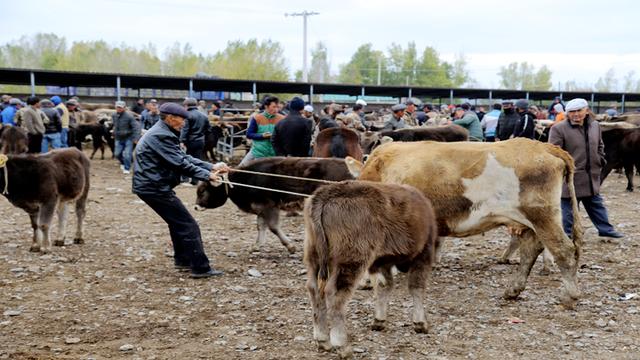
{"x":622,"y":149}
{"x":450,"y":133}
{"x":267,"y":204}
{"x":100,"y":136}
{"x":219,"y":132}
{"x":39,"y":184}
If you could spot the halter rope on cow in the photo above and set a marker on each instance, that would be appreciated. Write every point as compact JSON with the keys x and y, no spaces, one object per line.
{"x":284,"y":176}
{"x":262,"y":188}
{"x":3,"y":164}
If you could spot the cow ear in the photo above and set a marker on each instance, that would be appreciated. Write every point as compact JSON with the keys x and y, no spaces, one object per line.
{"x":385,"y":139}
{"x":354,"y":166}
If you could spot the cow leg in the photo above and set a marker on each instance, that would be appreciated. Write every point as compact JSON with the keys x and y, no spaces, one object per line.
{"x":63,"y":212}
{"x":417,"y":280}
{"x":628,"y":170}
{"x":81,"y":212}
{"x":564,"y":254}
{"x":530,"y":248}
{"x":383,"y":284}
{"x":319,"y":307}
{"x":93,"y":153}
{"x":35,"y":244}
{"x":438,"y":250}
{"x":338,"y":292}
{"x":45,"y":216}
{"x":547,"y":262}
{"x":272,"y":217}
{"x":262,"y":233}
{"x":514,"y":244}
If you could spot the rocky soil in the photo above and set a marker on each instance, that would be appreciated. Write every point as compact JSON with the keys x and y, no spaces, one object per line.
{"x":118,"y":296}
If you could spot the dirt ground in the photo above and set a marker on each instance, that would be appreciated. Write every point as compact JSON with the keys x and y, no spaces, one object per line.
{"x":118,"y":296}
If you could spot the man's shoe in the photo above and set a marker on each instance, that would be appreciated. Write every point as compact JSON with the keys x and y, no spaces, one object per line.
{"x":207,"y":274}
{"x":613,"y":234}
{"x":182,"y":267}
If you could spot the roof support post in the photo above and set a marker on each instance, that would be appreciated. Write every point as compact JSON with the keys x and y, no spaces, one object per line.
{"x":527,"y":96}
{"x":254,"y":90}
{"x":592,"y":99}
{"x":118,"y":88}
{"x":450,"y":96}
{"x":191,"y":88}
{"x":622,"y":106}
{"x":33,"y":83}
{"x":410,"y":93}
{"x":362,"y":91}
{"x":490,"y":98}
{"x":310,"y":94}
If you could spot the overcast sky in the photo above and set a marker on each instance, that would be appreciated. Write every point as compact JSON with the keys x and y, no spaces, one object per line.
{"x":577,"y":40}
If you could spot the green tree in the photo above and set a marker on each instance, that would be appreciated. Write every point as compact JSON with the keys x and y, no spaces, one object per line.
{"x":523,"y":76}
{"x":363,"y":66}
{"x":249,"y":60}
{"x":402,"y":66}
{"x":607,"y":83}
{"x":320,"y":67}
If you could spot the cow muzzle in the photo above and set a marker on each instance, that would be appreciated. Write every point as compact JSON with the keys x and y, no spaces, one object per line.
{"x":199,"y":208}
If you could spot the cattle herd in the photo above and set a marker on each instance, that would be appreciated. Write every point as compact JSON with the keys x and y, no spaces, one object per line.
{"x":416,"y":187}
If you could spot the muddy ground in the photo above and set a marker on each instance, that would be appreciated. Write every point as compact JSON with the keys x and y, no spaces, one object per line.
{"x":118,"y":296}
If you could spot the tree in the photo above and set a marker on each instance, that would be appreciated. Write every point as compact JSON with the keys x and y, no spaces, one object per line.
{"x":572,"y":85}
{"x":250,"y":60}
{"x":607,"y":83}
{"x":432,"y":72}
{"x":402,"y":65}
{"x":320,"y":67}
{"x":523,"y":76}
{"x":363,"y":66}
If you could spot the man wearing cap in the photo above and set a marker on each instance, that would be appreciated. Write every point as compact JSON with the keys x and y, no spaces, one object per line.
{"x":395,"y":120}
{"x":5,"y":102}
{"x":525,"y":125}
{"x":150,"y":116}
{"x":10,"y":111}
{"x":409,"y":115}
{"x":195,"y":130}
{"x":159,"y":165}
{"x":581,"y":137}
{"x":64,"y":117}
{"x":139,"y":107}
{"x":292,"y":135}
{"x":125,"y":132}
{"x":468,"y":120}
{"x":33,"y":121}
{"x":260,"y":128}
{"x":507,"y":121}
{"x":308,"y":112}
{"x":353,"y":120}
{"x":52,"y":126}
{"x":72,"y":107}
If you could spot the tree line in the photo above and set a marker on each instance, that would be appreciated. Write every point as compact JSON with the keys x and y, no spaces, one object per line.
{"x":265,"y":60}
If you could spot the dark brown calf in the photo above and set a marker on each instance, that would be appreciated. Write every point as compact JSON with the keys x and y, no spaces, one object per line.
{"x":357,"y":226}
{"x":13,"y":140}
{"x":39,"y":184}
{"x":337,"y":142}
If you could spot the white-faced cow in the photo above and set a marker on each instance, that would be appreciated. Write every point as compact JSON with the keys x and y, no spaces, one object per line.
{"x":40,"y":184}
{"x":267,"y":204}
{"x":355,"y":226}
{"x":475,"y":187}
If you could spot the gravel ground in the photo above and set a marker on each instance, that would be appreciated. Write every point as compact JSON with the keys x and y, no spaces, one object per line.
{"x":118,"y":296}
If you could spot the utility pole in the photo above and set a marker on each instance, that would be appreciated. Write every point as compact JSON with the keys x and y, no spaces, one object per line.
{"x":305,"y":14}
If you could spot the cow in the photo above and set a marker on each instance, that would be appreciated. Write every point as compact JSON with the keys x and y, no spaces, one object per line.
{"x":338,"y":142}
{"x":100,"y":136}
{"x":40,"y":184}
{"x":401,"y":231}
{"x":475,"y":187}
{"x":370,"y":140}
{"x":622,"y":149}
{"x":219,"y":131}
{"x":13,"y":140}
{"x":267,"y":204}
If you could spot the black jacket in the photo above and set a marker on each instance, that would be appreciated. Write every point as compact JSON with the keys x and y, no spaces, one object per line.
{"x":125,"y":127}
{"x":159,"y":162}
{"x":196,"y":127}
{"x":55,"y":122}
{"x":506,"y":124}
{"x":525,"y":126}
{"x":292,"y":136}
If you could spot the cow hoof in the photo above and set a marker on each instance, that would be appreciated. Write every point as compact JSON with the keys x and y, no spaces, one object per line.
{"x":345,"y":352}
{"x":34,"y":248}
{"x":45,"y":250}
{"x":630,"y":190}
{"x":511,"y":294}
{"x":378,"y":325}
{"x":420,"y":328}
{"x":58,"y":243}
{"x":504,"y":262}
{"x":569,"y":303}
{"x":291,"y":249}
{"x":78,"y":241}
{"x":323,"y":346}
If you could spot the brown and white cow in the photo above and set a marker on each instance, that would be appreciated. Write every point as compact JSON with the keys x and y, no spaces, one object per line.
{"x":267,"y":204}
{"x":40,"y":184}
{"x":355,"y":226}
{"x":337,"y":142}
{"x":475,"y":187}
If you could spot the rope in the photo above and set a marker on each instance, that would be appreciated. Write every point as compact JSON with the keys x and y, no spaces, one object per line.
{"x":262,"y":188}
{"x":3,"y":164}
{"x":284,"y":176}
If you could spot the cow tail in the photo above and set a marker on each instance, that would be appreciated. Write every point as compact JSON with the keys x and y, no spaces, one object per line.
{"x":576,"y":230}
{"x":321,"y":246}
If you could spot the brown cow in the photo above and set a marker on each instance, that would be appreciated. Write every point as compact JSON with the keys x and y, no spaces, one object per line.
{"x":13,"y":140}
{"x":267,"y":204}
{"x":337,"y":142}
{"x":400,"y":231}
{"x":475,"y":187}
{"x":370,"y":140}
{"x":39,"y":184}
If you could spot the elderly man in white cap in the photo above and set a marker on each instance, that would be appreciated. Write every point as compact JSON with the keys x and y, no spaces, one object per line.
{"x":581,"y":137}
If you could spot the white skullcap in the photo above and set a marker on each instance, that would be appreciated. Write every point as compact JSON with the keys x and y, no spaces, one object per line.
{"x":576,"y":104}
{"x":361,"y":102}
{"x":558,"y":108}
{"x":308,"y":108}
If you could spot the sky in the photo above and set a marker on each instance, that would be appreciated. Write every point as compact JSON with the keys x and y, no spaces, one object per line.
{"x":577,"y":40}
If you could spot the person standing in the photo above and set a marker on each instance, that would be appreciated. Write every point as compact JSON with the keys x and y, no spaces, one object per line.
{"x":33,"y":121}
{"x":52,"y":126}
{"x":292,"y":135}
{"x":395,"y":120}
{"x":159,"y":165}
{"x":260,"y":128}
{"x":525,"y":126}
{"x":581,"y":137}
{"x":139,"y":107}
{"x":64,"y":117}
{"x":489,"y":123}
{"x":125,"y":133}
{"x":194,"y":132}
{"x":149,"y":116}
{"x":9,"y":112}
{"x":468,"y":120}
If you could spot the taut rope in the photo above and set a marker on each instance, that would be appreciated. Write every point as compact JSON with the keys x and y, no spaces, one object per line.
{"x":3,"y":164}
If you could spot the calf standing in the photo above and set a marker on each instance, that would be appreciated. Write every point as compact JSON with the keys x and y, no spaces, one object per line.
{"x":357,"y":226}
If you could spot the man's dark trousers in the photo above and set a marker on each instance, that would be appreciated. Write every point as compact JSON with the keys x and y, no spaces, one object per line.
{"x":184,"y":231}
{"x":595,"y":209}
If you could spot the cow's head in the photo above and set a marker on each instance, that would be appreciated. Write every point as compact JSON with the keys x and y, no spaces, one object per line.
{"x":210,"y":196}
{"x":371,"y":140}
{"x":354,"y":166}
